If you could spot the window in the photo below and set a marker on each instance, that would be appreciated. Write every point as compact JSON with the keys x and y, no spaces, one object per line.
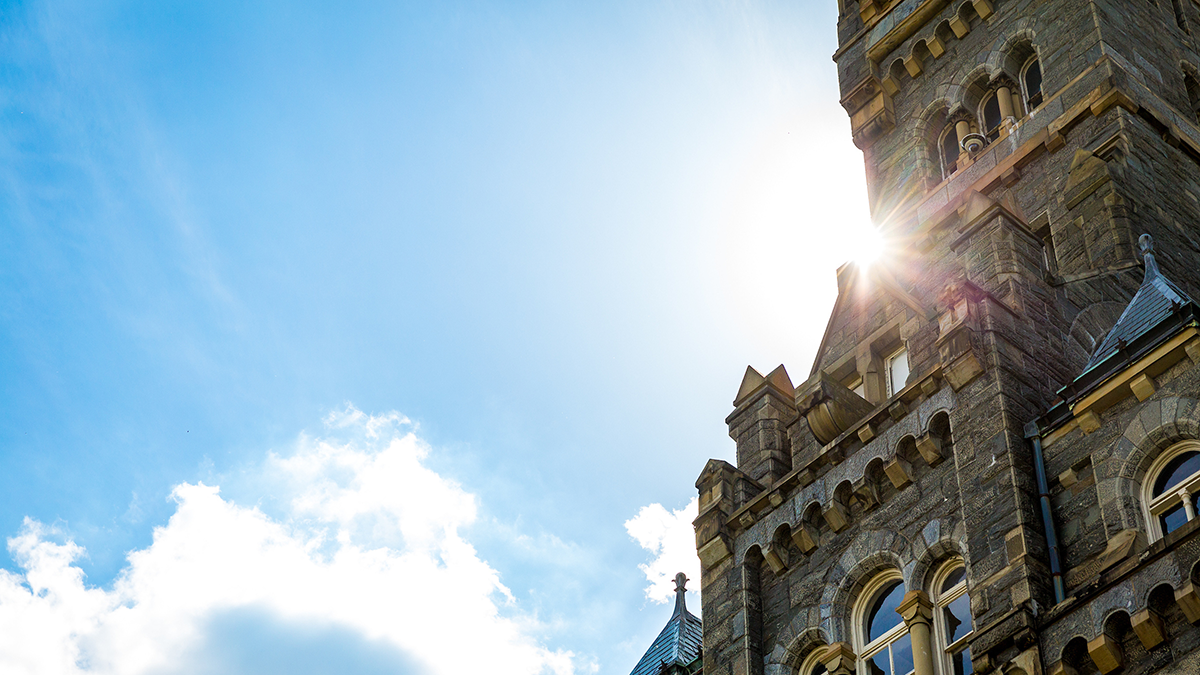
{"x":948,"y":151}
{"x":1170,"y":494}
{"x":883,"y":641}
{"x":897,"y":371}
{"x":952,"y":616}
{"x":991,"y":117}
{"x":858,"y":386}
{"x":813,"y":664}
{"x":1031,"y":81}
{"x":1179,"y":20}
{"x":1193,"y":92}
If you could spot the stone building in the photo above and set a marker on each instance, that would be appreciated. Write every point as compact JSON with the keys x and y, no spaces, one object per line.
{"x":993,"y":464}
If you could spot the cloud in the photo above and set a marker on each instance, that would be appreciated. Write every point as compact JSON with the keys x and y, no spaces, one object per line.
{"x":365,"y":558}
{"x":669,"y":536}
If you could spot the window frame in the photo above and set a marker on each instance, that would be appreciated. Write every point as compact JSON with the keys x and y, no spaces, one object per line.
{"x":948,"y":169}
{"x":812,"y":661}
{"x":864,"y":649}
{"x":941,"y":601}
{"x":892,"y":388}
{"x":1153,"y":507}
{"x":992,"y":134}
{"x":1029,"y":105}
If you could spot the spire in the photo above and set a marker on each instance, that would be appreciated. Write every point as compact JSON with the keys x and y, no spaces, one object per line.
{"x":680,"y":591}
{"x":679,"y":643}
{"x":1156,"y":300}
{"x":1146,"y":243}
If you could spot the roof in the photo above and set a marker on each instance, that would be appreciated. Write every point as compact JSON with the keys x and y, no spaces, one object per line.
{"x":1156,"y":300}
{"x":1158,"y":311}
{"x":679,"y":642}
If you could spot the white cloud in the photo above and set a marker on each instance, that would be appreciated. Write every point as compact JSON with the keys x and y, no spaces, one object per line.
{"x":670,"y":537}
{"x":369,"y":545}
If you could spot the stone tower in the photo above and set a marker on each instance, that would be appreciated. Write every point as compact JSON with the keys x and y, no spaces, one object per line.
{"x":993,"y":465}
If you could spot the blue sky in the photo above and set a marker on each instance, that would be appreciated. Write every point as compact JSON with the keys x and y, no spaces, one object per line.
{"x":527,"y":247}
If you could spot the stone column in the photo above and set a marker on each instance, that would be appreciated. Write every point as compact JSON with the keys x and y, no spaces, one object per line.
{"x":1004,"y":98}
{"x":918,"y":616}
{"x":1017,"y":105}
{"x":961,"y":129}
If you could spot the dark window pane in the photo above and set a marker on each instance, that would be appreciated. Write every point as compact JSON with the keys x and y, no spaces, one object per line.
{"x":1173,"y":520}
{"x":991,"y":116}
{"x":819,"y":669}
{"x":883,"y":614}
{"x":949,"y":152}
{"x":953,"y":579}
{"x":902,"y":656}
{"x":962,"y":662}
{"x":958,"y":618}
{"x":1176,"y":471}
{"x":878,"y":664}
{"x":1033,"y":84}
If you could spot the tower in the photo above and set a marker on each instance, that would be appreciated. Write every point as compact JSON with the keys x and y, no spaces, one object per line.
{"x":993,"y":465}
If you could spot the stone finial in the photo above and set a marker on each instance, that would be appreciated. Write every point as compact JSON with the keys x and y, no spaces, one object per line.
{"x":680,"y":591}
{"x":1146,"y":243}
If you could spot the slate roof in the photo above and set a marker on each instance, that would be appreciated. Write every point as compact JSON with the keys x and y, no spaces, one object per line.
{"x":679,"y":642}
{"x":1156,"y":300}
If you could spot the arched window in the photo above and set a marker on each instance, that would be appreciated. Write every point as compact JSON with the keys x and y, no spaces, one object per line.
{"x":991,"y":117}
{"x":952,"y":618}
{"x":813,"y":665}
{"x":1170,"y":491}
{"x":1031,"y":82}
{"x":883,"y":644}
{"x":948,"y":150}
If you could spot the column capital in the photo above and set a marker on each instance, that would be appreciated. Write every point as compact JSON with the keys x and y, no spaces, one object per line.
{"x":840,"y":659}
{"x":916,"y":608}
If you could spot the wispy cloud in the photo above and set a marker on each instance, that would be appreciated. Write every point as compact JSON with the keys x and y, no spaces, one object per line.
{"x":366,"y":559}
{"x":669,"y":536}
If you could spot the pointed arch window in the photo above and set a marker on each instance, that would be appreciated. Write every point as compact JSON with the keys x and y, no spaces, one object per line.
{"x":1170,"y":493}
{"x":1031,"y":82}
{"x":882,"y":638}
{"x":952,"y":618}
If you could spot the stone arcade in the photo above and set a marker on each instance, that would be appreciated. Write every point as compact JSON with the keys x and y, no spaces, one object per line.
{"x":993,"y":465}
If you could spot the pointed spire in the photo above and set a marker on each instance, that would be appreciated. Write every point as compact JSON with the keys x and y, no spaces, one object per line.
{"x":1156,"y":300}
{"x":1146,"y":243}
{"x":680,"y":590}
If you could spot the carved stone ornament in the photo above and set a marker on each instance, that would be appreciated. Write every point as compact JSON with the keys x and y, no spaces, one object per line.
{"x":830,"y":407}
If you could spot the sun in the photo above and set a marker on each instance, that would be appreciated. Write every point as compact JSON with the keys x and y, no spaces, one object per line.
{"x":869,"y":245}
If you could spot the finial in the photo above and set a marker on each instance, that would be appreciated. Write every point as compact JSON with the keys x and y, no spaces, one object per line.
{"x":680,"y":590}
{"x":1146,"y":243}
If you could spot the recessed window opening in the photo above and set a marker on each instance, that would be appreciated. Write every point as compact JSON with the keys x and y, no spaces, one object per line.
{"x":1193,"y":93}
{"x":883,"y":638}
{"x":953,"y":618}
{"x":1171,"y":497}
{"x":897,"y":371}
{"x":1179,"y":20}
{"x":1031,"y":81}
{"x":991,"y":117}
{"x":858,"y":386}
{"x":813,"y":665}
{"x":948,"y":151}
{"x":1049,"y":257}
